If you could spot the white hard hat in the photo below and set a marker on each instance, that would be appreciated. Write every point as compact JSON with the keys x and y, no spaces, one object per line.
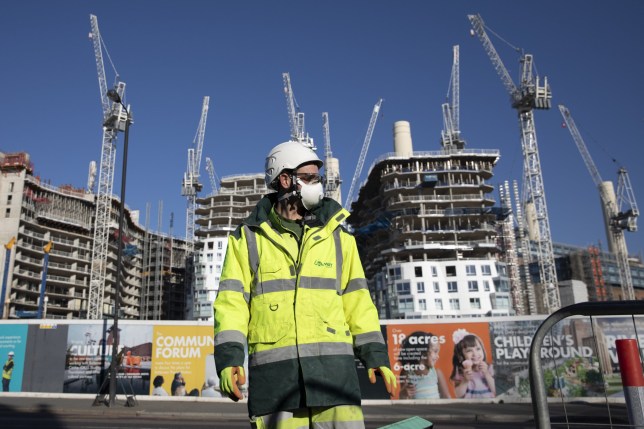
{"x":10,"y":353}
{"x":288,"y":156}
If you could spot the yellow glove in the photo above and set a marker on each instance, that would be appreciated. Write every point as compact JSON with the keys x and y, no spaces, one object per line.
{"x":231,"y":378}
{"x":388,"y":377}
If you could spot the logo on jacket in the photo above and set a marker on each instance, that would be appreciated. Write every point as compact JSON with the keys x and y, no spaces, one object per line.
{"x":319,"y":263}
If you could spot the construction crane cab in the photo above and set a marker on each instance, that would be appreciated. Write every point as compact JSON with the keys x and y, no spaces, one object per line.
{"x":532,"y":94}
{"x":117,"y":116}
{"x":625,"y":220}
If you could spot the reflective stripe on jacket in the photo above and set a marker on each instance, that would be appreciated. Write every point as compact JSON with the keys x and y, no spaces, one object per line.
{"x":302,"y":312}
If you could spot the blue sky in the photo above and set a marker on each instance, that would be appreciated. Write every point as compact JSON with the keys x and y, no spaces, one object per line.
{"x":342,"y":57}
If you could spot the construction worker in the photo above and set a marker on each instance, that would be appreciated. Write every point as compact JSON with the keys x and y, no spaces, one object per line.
{"x":7,"y":371}
{"x":293,"y":292}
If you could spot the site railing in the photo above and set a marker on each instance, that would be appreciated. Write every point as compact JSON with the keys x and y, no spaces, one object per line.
{"x":536,"y":373}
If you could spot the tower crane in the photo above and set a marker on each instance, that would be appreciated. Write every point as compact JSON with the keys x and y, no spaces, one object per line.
{"x":530,"y":95}
{"x":191,"y":185}
{"x":616,"y":220}
{"x":331,"y":166}
{"x":210,"y":168}
{"x":450,"y":136}
{"x":363,"y":152}
{"x":114,"y":120}
{"x":295,"y":117}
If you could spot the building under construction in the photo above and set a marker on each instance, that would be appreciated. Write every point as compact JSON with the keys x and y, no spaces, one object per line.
{"x":427,"y":229}
{"x":37,"y":214}
{"x":218,"y":214}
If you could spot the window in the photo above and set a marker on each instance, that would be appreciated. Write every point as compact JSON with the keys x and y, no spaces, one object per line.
{"x":406,"y":304}
{"x":475,"y":303}
{"x":450,"y":271}
{"x":486,"y":285}
{"x":9,"y":198}
{"x":218,"y":268}
{"x":437,"y":287}
{"x":501,"y":285}
{"x":394,"y":273}
{"x":403,"y":288}
{"x":7,"y":213}
{"x":11,"y":186}
{"x":502,"y":302}
{"x":486,"y":270}
{"x":473,"y":286}
{"x":219,"y":256}
{"x":220,"y":245}
{"x":420,"y":287}
{"x":210,"y":269}
{"x":470,"y":270}
{"x":209,"y":257}
{"x":438,"y":303}
{"x":422,"y":304}
{"x":502,"y":269}
{"x":418,"y":271}
{"x":434,"y":272}
{"x":452,"y":287}
{"x":211,"y":245}
{"x":454,"y":304}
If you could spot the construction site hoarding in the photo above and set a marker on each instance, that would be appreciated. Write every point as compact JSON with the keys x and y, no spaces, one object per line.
{"x":456,"y":358}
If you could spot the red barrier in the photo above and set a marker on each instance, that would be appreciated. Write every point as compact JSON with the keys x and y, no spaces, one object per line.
{"x":629,"y":363}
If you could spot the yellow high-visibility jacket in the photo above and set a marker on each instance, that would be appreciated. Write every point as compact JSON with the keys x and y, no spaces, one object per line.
{"x":302,"y":309}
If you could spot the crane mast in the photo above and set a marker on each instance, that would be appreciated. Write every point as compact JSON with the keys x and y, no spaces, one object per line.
{"x":114,"y":119}
{"x":530,"y":95}
{"x":191,"y":185}
{"x":615,"y":219}
{"x":450,"y":136}
{"x":363,"y":152}
{"x":331,"y":166}
{"x":295,"y":117}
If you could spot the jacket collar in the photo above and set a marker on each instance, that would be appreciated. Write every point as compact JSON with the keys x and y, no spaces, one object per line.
{"x":328,"y":210}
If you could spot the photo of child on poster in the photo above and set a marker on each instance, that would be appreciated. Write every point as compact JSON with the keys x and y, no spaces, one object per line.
{"x":472,"y":375}
{"x":421,"y":357}
{"x":419,"y":377}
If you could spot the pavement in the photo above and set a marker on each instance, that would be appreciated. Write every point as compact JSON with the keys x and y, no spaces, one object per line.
{"x":209,"y":409}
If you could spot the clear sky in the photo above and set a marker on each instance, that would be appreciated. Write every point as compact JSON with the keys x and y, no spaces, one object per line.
{"x":342,"y":57}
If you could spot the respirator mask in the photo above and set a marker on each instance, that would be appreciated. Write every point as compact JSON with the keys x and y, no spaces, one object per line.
{"x":311,"y":193}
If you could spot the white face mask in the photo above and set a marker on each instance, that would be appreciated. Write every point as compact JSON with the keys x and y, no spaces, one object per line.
{"x":310,"y":194}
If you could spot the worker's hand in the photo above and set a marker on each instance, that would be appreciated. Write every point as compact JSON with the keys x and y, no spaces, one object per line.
{"x":231,"y":378}
{"x":388,"y":377}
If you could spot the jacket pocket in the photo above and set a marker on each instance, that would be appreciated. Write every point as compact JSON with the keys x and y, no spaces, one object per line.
{"x":268,"y":334}
{"x":336,"y":329}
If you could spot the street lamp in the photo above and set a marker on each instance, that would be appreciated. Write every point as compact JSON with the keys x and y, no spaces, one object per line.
{"x":113,"y":95}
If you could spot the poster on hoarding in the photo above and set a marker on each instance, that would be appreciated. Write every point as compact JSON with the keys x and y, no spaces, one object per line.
{"x":607,"y":331}
{"x":447,"y":360}
{"x":183,"y":363}
{"x":89,"y":355}
{"x":12,"y":353}
{"x":570,"y":363}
